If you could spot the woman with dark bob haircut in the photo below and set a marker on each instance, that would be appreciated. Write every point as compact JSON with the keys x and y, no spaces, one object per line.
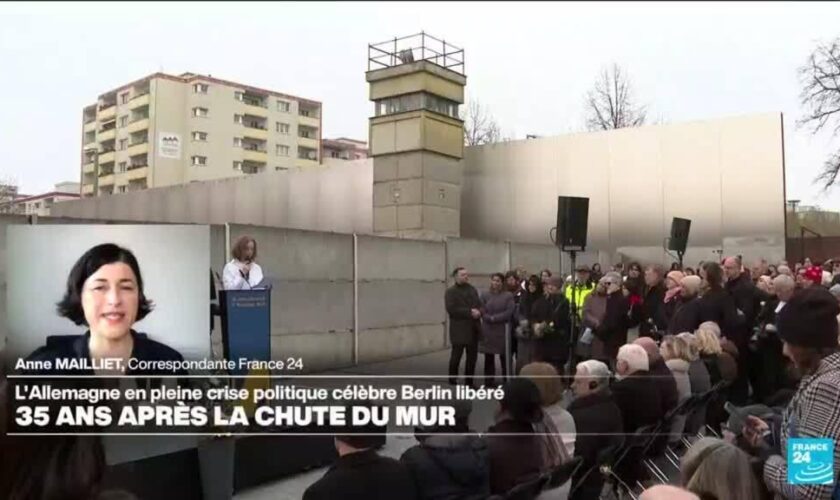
{"x":105,"y":293}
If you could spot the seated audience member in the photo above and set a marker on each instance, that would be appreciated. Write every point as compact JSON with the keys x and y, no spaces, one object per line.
{"x":515,"y":454}
{"x":636,"y":391}
{"x":808,"y":327}
{"x":449,"y":462}
{"x":667,"y":492}
{"x":360,"y":473}
{"x":701,"y":383}
{"x":686,"y":317}
{"x":53,"y":467}
{"x":676,"y":353}
{"x":661,"y":375}
{"x":556,"y":420}
{"x":598,"y":423}
{"x":639,"y":399}
{"x":713,"y":468}
{"x":720,"y":355}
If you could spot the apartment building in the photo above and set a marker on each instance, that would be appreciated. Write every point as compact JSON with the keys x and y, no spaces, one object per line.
{"x":165,"y":130}
{"x":343,"y":148}
{"x":40,"y":204}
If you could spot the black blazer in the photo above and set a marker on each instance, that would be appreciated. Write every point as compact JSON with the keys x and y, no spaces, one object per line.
{"x":364,"y":475}
{"x":76,"y":347}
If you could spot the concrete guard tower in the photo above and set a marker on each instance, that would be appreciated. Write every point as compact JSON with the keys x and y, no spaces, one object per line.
{"x":416,"y":136}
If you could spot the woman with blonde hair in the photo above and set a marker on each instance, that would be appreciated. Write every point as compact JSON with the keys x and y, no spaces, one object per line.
{"x":677,"y":355}
{"x":557,"y":428}
{"x":716,"y":469}
{"x":719,"y":355}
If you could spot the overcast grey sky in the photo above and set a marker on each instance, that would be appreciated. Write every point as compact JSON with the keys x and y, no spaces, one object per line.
{"x":530,"y":63}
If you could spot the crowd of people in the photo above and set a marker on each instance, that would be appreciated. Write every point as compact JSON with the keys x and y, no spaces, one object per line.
{"x":643,"y":342}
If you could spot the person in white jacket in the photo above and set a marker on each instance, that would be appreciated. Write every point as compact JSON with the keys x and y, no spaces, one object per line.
{"x":242,"y":272}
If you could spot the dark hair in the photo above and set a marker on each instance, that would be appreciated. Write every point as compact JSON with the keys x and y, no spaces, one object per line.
{"x":241,"y":245}
{"x":70,"y":306}
{"x":52,"y":467}
{"x":546,"y":271}
{"x":536,"y":281}
{"x":498,"y":275}
{"x":363,"y":437}
{"x":636,"y":266}
{"x":522,"y":400}
{"x":599,"y":267}
{"x":675,"y":266}
{"x":714,"y":275}
{"x":689,"y":270}
{"x":511,"y":274}
{"x":456,"y":271}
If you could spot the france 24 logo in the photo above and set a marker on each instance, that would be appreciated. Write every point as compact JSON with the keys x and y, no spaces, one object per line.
{"x":810,"y":461}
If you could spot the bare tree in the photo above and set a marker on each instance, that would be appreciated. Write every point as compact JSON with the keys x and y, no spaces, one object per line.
{"x":821,"y":96}
{"x":611,"y":103}
{"x":480,"y":127}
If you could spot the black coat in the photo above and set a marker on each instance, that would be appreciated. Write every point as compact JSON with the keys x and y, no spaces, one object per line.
{"x":639,"y":399}
{"x":598,"y":425}
{"x":613,"y":329}
{"x":718,"y":306}
{"x":653,"y":311}
{"x":463,"y":328}
{"x":513,"y":459}
{"x":686,"y":316}
{"x":553,"y":348}
{"x":666,"y":384}
{"x":449,"y":467}
{"x":363,"y":476}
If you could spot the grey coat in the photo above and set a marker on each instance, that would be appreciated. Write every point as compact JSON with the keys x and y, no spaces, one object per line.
{"x":496,"y":313}
{"x":460,"y":299}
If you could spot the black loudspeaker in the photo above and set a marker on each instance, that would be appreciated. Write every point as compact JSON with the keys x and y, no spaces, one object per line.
{"x":572,"y":219}
{"x":679,"y":234}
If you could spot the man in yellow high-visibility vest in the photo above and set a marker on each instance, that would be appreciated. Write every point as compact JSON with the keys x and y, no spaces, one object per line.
{"x":582,"y":285}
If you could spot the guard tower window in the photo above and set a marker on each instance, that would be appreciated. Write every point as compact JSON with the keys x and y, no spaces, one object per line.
{"x":416,"y":101}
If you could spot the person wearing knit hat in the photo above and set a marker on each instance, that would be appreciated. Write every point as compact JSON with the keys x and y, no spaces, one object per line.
{"x":686,"y":316}
{"x":809,"y":277}
{"x":808,"y":327}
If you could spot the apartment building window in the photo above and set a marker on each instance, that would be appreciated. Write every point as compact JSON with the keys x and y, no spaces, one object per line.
{"x":283,"y":128}
{"x":123,"y":120}
{"x":282,"y":150}
{"x":281,"y":168}
{"x":123,"y":145}
{"x":199,"y":136}
{"x":201,"y":88}
{"x":304,"y":112}
{"x":237,"y":165}
{"x":237,"y":142}
{"x":124,"y":98}
{"x":200,"y":112}
{"x":122,"y":166}
{"x":237,"y":119}
{"x":121,"y":189}
{"x":199,"y":161}
{"x":283,"y":106}
{"x":334,"y":154}
{"x":239,"y":96}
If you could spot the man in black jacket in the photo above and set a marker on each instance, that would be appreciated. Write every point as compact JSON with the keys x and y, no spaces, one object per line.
{"x":747,"y":297}
{"x":598,"y":426}
{"x":552,"y":310}
{"x":464,"y":308}
{"x":361,"y":474}
{"x":660,"y":373}
{"x":653,"y":303}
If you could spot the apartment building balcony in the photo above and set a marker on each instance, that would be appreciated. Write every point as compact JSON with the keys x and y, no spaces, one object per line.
{"x":254,"y":155}
{"x":139,"y":148}
{"x":106,"y":111}
{"x":138,"y":125}
{"x":308,"y":143}
{"x":90,"y":137}
{"x":302,"y":163}
{"x":138,"y":100}
{"x":90,"y":126}
{"x":305,"y":153}
{"x":106,"y":180}
{"x":251,"y":167}
{"x":309,"y":121}
{"x":106,"y":190}
{"x":87,"y":189}
{"x":106,"y":156}
{"x":88,"y":168}
{"x":136,"y":173}
{"x":254,"y":127}
{"x":137,"y":185}
{"x":106,"y":134}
